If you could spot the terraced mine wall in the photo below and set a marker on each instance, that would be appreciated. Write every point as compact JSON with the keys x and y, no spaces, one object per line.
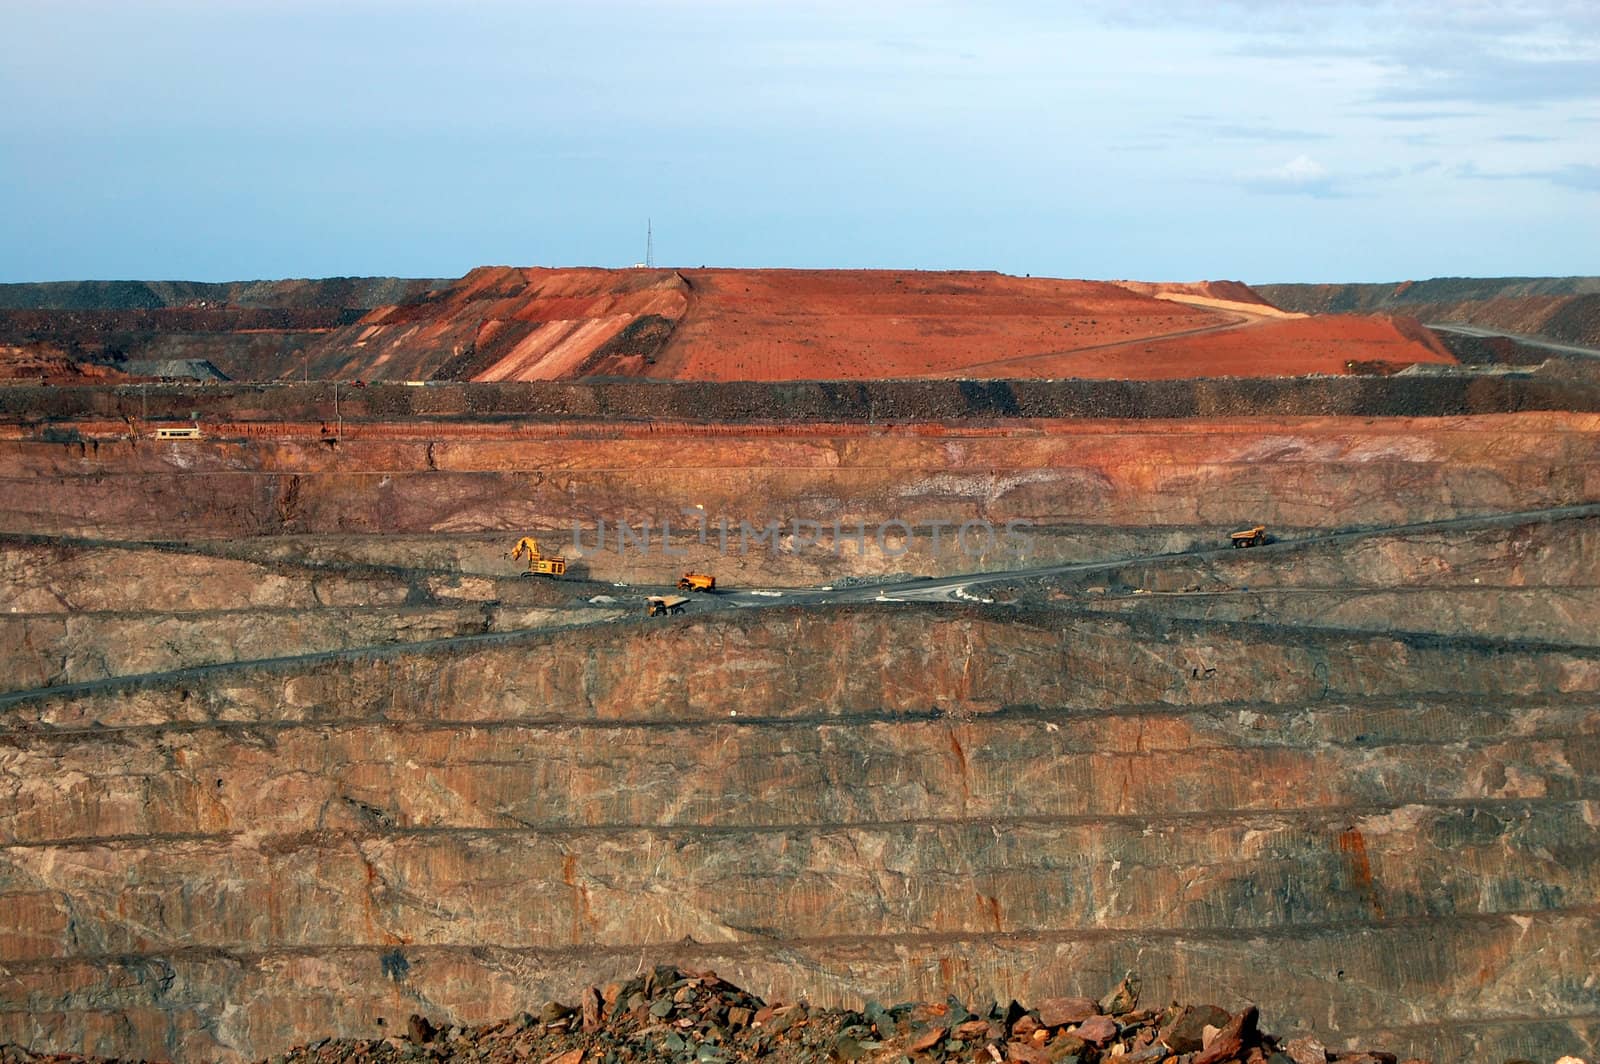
{"x":73,"y":611}
{"x":1349,"y":829}
{"x":1519,"y":579}
{"x":783,"y":563}
{"x":1204,"y":473}
{"x":1386,"y":838}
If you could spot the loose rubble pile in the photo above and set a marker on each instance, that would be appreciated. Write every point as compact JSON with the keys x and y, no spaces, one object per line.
{"x":669,"y":1014}
{"x":684,"y":1017}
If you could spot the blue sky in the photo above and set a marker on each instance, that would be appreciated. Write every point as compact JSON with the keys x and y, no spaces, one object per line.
{"x":1281,"y":141}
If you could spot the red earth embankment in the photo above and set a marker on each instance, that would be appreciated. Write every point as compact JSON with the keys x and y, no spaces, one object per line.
{"x":788,"y":325}
{"x":511,"y":324}
{"x":502,"y":324}
{"x":833,"y":324}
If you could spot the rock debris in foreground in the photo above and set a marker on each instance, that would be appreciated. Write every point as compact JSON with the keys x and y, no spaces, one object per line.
{"x":668,"y":1014}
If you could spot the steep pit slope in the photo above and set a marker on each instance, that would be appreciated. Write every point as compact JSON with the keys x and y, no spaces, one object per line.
{"x":1566,"y":309}
{"x":895,"y":802}
{"x":78,"y":610}
{"x":1525,"y":579}
{"x":1308,"y":473}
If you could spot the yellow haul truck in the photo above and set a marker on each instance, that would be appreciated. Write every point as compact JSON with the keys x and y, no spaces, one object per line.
{"x":662,"y":605}
{"x":1250,"y":537}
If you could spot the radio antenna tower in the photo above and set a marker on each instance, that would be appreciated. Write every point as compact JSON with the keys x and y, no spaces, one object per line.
{"x":649,"y":245}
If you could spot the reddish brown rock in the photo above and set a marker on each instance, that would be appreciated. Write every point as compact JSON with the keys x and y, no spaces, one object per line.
{"x":972,"y":1029}
{"x":783,"y":1018}
{"x":593,"y":1007}
{"x":1306,"y":1050}
{"x":1065,"y":1043}
{"x":1149,"y":1054}
{"x":1125,"y":998}
{"x":1059,"y":1012}
{"x":1097,"y":1030}
{"x":1232,"y":1040}
{"x":419,"y":1029}
{"x":1027,"y":1053}
{"x":926,"y":1040}
{"x":1184,"y":1033}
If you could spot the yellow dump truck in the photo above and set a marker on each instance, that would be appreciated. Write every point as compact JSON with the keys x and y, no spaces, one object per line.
{"x":662,"y":605}
{"x":538,"y":564}
{"x":1250,"y":537}
{"x":697,"y":582}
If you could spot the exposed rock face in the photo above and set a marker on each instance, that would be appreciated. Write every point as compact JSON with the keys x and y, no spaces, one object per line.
{"x":414,"y":807}
{"x":1533,"y":580}
{"x":73,"y":610}
{"x":230,"y":861}
{"x":1208,"y":472}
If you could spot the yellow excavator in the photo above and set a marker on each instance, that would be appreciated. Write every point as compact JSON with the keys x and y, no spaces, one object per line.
{"x":538,"y":564}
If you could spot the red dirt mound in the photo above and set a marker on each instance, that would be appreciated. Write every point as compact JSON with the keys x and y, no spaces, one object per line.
{"x":788,"y":325}
{"x":511,"y":324}
{"x":780,"y":325}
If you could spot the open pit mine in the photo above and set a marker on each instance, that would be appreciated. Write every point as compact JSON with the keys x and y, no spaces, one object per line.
{"x":987,"y":705}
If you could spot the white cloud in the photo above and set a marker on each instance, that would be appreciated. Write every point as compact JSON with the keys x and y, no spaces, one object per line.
{"x":1300,"y":170}
{"x":1302,"y":174}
